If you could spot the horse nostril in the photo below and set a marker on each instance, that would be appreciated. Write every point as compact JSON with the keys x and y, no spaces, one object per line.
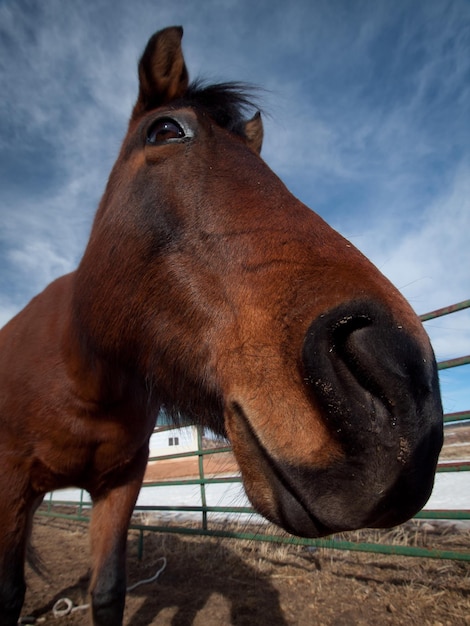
{"x":357,"y":359}
{"x":382,"y":358}
{"x":358,"y":347}
{"x":388,"y":362}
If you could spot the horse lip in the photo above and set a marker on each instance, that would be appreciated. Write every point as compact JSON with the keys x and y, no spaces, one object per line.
{"x":348,"y":508}
{"x":289,"y":510}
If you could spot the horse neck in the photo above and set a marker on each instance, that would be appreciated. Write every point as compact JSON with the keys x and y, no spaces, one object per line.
{"x":96,"y":380}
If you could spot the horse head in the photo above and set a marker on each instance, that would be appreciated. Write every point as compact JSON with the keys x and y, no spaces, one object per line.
{"x":240,"y":307}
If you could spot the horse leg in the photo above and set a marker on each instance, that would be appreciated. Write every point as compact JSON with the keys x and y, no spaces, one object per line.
{"x":108,"y":532}
{"x":12,"y":555}
{"x":15,"y":529}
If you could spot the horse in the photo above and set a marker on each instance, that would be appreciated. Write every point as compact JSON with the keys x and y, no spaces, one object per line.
{"x":207,"y":289}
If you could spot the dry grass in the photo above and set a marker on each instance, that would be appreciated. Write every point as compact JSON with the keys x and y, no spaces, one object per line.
{"x":217,"y":582}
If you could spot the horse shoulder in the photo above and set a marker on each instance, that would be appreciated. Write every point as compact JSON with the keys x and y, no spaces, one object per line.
{"x":53,"y":414}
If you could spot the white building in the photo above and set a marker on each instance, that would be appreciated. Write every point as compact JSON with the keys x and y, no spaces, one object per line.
{"x":172,"y":441}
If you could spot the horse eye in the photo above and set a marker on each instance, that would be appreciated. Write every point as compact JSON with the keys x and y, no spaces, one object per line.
{"x":164,"y":130}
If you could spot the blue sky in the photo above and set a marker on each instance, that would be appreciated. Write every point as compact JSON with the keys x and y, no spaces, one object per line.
{"x":368,"y":122}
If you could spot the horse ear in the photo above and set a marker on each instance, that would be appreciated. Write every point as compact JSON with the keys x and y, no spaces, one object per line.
{"x":254,"y":132}
{"x":162,"y":71}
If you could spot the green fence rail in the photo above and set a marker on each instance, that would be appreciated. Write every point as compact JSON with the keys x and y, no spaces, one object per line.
{"x":54,"y":506}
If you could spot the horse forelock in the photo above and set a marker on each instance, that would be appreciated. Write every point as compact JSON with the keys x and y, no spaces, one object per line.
{"x":228,"y":104}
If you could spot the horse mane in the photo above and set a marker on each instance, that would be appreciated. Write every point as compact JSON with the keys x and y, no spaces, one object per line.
{"x":228,"y":104}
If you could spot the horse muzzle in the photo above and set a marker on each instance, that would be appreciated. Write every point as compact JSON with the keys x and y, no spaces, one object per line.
{"x":376,"y":389}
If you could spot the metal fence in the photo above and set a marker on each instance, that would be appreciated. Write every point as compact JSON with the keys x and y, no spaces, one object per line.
{"x":162,"y":517}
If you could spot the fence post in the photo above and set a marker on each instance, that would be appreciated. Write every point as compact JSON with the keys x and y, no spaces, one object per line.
{"x":201,"y":476}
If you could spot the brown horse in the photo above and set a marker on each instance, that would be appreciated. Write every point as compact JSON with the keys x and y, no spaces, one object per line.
{"x":209,"y":290}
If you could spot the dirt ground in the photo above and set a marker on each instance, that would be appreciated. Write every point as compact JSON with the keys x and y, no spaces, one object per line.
{"x":221,"y":464}
{"x":218,"y":582}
